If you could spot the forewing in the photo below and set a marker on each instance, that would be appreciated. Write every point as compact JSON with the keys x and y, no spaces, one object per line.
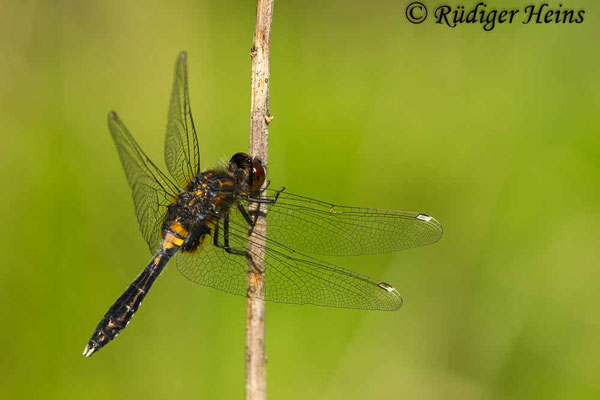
{"x":182,"y":154}
{"x":316,"y":227}
{"x":152,"y":191}
{"x":289,"y":277}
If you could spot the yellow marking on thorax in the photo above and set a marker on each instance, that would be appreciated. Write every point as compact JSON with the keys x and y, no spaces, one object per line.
{"x":225,"y":183}
{"x":211,"y":221}
{"x":219,"y":198}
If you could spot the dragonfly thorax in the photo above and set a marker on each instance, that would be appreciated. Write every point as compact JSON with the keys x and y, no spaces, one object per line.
{"x":200,"y":207}
{"x":210,"y":195}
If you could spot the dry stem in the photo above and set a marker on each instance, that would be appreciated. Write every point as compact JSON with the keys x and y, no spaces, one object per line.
{"x":259,"y":132}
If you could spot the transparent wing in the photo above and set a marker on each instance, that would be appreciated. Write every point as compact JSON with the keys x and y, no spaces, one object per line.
{"x":152,"y":191}
{"x":316,"y":227}
{"x":182,"y":154}
{"x":290,"y":277}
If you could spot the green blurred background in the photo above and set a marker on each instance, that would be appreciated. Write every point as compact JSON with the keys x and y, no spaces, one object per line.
{"x":496,"y":134}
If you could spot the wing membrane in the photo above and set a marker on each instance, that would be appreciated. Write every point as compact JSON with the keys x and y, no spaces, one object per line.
{"x":290,"y":277}
{"x":152,"y":191}
{"x":316,"y":227}
{"x":182,"y":154}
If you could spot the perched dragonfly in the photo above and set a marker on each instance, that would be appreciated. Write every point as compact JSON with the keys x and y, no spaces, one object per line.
{"x":203,"y":220}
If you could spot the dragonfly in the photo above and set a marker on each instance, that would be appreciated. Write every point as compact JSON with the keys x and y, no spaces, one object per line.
{"x":204,"y":220}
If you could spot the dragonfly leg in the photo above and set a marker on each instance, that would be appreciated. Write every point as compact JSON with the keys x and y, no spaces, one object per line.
{"x":246,"y":214}
{"x":257,"y":213}
{"x":225,"y":246}
{"x":268,"y":201}
{"x":266,"y":186}
{"x":277,"y":195}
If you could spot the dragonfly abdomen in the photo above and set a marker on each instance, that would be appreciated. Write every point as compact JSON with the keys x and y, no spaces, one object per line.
{"x":120,"y":313}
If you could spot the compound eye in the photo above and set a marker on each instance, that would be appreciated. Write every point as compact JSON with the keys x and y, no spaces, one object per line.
{"x":258,"y":175}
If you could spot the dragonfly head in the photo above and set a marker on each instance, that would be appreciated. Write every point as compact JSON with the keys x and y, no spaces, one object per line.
{"x":249,"y":171}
